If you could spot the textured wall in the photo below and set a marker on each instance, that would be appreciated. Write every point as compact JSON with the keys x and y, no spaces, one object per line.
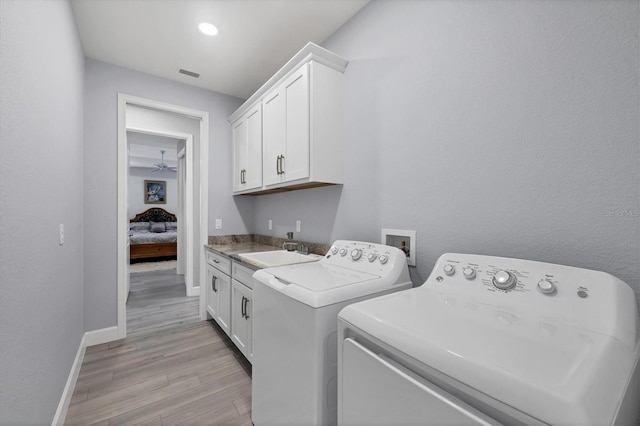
{"x":102,"y":84}
{"x":500,"y":128}
{"x":41,"y":178}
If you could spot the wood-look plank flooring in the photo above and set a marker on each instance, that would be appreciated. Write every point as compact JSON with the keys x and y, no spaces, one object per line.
{"x":171,"y":369}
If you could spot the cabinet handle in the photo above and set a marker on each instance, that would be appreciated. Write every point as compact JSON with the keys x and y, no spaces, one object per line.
{"x":241,"y":176}
{"x":244,"y":176}
{"x":281,"y":164}
{"x":242,"y":307}
{"x":246,"y":302}
{"x":213,"y":283}
{"x":278,"y":165}
{"x":215,"y":260}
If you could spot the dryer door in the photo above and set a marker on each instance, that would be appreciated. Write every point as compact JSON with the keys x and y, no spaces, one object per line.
{"x":377,"y":391}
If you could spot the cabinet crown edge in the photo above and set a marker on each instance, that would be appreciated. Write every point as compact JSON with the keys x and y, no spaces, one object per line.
{"x":310,"y":52}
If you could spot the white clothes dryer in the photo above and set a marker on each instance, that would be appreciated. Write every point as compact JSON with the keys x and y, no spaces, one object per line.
{"x":490,"y":340}
{"x":295,"y":327}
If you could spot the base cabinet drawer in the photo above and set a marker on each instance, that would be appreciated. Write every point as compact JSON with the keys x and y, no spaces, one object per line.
{"x":218,"y":261}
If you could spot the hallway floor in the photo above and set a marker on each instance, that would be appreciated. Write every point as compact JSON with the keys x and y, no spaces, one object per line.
{"x":171,"y":369}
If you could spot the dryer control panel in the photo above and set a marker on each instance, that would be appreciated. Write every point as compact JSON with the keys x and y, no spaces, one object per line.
{"x":574,"y":296}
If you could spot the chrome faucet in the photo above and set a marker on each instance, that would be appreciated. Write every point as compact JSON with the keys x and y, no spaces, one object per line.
{"x":289,"y":245}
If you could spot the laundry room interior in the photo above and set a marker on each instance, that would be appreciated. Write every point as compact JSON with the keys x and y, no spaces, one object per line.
{"x":438,"y":196}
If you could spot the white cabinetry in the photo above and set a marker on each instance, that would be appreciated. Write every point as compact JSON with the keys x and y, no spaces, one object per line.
{"x":286,"y":130}
{"x":241,"y":309}
{"x":247,"y":150}
{"x":229,"y":299}
{"x":219,"y":290}
{"x":241,"y":303}
{"x":301,"y":125}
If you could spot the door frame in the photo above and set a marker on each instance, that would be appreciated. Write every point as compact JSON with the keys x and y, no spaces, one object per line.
{"x":201,"y":229}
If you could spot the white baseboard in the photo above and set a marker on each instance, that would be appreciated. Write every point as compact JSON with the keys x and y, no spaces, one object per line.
{"x":103,"y":335}
{"x":67,"y":393}
{"x":195,"y":291}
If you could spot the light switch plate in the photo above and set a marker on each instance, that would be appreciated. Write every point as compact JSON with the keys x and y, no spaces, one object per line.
{"x":218,"y":223}
{"x":298,"y":225}
{"x":270,"y":224}
{"x":61,"y":233}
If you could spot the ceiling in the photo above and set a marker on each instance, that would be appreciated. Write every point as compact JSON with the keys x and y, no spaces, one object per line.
{"x":255,"y":39}
{"x":144,"y":150}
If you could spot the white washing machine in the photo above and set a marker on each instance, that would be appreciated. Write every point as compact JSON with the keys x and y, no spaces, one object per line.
{"x":490,"y":340}
{"x":295,"y":323}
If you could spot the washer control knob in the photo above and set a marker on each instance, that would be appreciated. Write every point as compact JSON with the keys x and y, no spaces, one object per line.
{"x":343,"y":252}
{"x":449,"y":269}
{"x":356,"y":254}
{"x":334,"y":250}
{"x":384,"y":259}
{"x":469,"y":273}
{"x":504,"y":280}
{"x":546,"y":286}
{"x":372,"y":257}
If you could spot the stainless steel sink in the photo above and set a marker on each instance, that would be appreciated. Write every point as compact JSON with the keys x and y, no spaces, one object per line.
{"x":268,"y":259}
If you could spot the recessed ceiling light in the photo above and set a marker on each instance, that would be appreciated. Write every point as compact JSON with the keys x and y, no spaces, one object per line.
{"x":208,"y":29}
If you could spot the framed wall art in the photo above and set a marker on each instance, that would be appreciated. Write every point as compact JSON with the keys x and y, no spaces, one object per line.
{"x":155,"y":192}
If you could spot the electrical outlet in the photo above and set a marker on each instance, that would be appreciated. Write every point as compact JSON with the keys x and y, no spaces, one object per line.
{"x":61,"y":232}
{"x":218,"y":223}
{"x":270,"y":224}
{"x":298,"y":225}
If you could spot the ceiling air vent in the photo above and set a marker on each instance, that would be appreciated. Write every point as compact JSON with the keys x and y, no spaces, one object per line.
{"x":189,"y":73}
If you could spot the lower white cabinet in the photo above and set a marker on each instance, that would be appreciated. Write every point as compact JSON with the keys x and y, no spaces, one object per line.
{"x":241,"y":317}
{"x":219,"y":297}
{"x":229,"y":299}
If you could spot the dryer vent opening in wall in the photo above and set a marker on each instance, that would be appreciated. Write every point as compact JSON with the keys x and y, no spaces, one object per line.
{"x":189,"y":73}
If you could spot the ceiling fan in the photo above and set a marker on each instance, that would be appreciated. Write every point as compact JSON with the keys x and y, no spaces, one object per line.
{"x":162,"y":166}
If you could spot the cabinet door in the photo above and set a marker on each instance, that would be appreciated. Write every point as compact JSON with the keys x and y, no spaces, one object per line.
{"x":253,"y":168}
{"x":239,"y":134}
{"x":223,"y":283}
{"x":241,"y":305}
{"x":273,"y":134}
{"x":296,"y":92}
{"x":212,"y":293}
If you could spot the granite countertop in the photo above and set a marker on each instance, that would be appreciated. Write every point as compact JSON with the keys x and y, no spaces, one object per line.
{"x":233,"y":245}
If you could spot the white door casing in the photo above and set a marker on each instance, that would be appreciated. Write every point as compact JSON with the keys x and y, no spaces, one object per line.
{"x":200,"y":228}
{"x":182,"y":164}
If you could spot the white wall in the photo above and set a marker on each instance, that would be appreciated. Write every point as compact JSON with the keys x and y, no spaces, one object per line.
{"x":41,"y":180}
{"x":102,"y":84}
{"x":137,"y":176}
{"x":493,"y":127}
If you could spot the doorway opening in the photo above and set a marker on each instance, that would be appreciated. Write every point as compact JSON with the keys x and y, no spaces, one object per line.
{"x":145,"y":119}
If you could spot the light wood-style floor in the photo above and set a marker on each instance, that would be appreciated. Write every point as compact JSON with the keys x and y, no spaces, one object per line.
{"x":172,"y":369}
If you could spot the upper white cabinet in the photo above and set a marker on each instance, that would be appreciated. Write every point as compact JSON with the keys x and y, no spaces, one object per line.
{"x":286,"y":130}
{"x":301,"y":126}
{"x":247,"y":150}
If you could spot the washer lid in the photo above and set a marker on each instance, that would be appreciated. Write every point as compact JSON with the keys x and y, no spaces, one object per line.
{"x":319,"y":284}
{"x":557,"y":373}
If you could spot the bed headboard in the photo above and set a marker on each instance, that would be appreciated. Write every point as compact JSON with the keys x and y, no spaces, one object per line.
{"x":154,"y":214}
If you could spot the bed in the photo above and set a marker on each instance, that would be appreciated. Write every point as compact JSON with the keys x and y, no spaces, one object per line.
{"x":153,"y":233}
